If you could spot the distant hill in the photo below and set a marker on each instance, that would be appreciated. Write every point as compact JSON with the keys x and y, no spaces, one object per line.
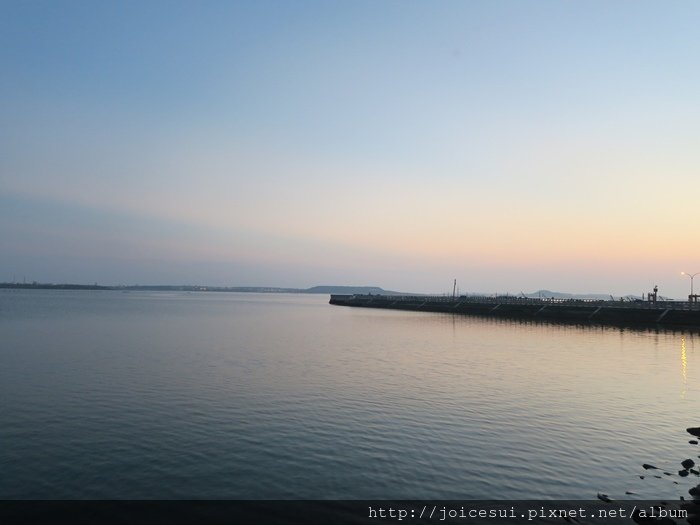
{"x":374,"y":290}
{"x":329,"y":289}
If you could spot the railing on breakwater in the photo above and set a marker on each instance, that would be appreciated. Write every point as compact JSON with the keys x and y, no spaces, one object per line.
{"x":621,"y":312}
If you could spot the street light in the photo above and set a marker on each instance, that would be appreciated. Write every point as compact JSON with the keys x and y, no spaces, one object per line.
{"x":691,"y":279}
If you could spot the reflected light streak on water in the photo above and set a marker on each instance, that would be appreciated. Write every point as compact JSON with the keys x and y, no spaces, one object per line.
{"x":684,"y":368}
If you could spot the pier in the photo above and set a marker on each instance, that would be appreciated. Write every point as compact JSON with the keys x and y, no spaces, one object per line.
{"x":647,"y":313}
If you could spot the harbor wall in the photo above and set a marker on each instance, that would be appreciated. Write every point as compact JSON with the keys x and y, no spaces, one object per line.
{"x":664,"y":313}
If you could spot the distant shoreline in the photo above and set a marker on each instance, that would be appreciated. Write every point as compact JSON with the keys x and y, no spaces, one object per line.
{"x":324,"y":289}
{"x":191,"y":288}
{"x":42,"y":286}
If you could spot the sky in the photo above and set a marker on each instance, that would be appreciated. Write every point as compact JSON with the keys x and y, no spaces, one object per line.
{"x":511,"y":145}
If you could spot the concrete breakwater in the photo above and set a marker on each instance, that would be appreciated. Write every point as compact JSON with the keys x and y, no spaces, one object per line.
{"x":665,"y":313}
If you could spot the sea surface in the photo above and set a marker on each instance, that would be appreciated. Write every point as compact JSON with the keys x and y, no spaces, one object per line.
{"x":158,"y":395}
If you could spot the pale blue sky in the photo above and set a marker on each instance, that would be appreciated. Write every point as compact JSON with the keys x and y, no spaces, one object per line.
{"x":511,"y":145}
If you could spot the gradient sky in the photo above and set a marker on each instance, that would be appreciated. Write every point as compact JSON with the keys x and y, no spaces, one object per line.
{"x":512,"y":145}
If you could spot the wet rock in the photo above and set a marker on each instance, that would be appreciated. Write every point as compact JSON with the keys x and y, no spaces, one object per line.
{"x":630,"y":492}
{"x":693,"y":471}
{"x":688,"y":463}
{"x":604,"y":497}
{"x":647,"y":466}
{"x":693,"y":442}
{"x":695,"y":431}
{"x":695,"y":491}
{"x":693,"y":511}
{"x":667,"y":474}
{"x":683,"y":473}
{"x":641,"y":477}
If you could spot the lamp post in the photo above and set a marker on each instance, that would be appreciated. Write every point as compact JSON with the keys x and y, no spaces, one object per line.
{"x":692,"y":276}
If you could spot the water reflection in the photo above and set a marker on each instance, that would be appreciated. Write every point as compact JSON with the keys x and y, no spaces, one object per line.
{"x":233,"y":396}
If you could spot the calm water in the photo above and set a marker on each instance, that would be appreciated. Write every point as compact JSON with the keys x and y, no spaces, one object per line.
{"x":175,"y":395}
